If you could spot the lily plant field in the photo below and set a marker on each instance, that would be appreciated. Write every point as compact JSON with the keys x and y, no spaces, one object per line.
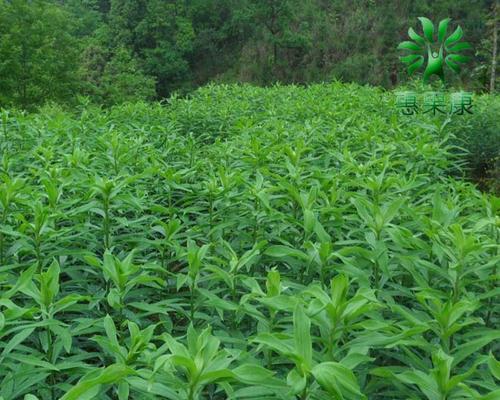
{"x":245,"y":243}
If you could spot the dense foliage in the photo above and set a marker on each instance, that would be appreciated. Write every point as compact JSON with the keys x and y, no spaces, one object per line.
{"x":244,"y":243}
{"x":116,"y":50}
{"x":480,"y":135}
{"x":38,"y":54}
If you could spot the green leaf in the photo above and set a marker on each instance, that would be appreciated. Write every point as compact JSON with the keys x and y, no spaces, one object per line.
{"x":154,"y":388}
{"x":112,"y":374}
{"x":416,"y":65}
{"x":392,"y":210}
{"x":409,"y":59}
{"x":273,"y":283}
{"x":280,"y":302}
{"x":32,"y":360}
{"x":186,"y":362}
{"x":280,"y":251}
{"x":110,"y":329}
{"x":274,"y":343}
{"x":494,"y":395}
{"x":15,"y":341}
{"x":339,"y":286}
{"x":320,"y":231}
{"x":416,"y":37}
{"x":64,"y":335}
{"x":428,"y":28}
{"x":49,"y":285}
{"x":214,"y":376}
{"x":459,"y":47}
{"x":23,"y":281}
{"x":443,"y":27}
{"x":309,"y":221}
{"x":254,"y":374}
{"x":114,"y":298}
{"x":454,"y":37}
{"x":364,"y":210}
{"x":302,"y":335}
{"x":123,"y":390}
{"x":457,"y":58}
{"x":494,"y":366}
{"x":425,"y":382}
{"x":409,"y":46}
{"x":337,"y":380}
{"x":455,"y":67}
{"x":473,"y":345}
{"x":296,"y":381}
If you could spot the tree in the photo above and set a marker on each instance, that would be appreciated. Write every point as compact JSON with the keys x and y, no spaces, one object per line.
{"x":494,"y":45}
{"x":160,"y":35}
{"x":123,"y":80}
{"x":38,"y":55}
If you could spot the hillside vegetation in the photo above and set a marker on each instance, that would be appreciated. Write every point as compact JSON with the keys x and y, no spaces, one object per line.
{"x":245,"y":243}
{"x":113,"y":51}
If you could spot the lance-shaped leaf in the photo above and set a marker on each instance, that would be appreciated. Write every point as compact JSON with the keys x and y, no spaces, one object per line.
{"x":337,"y":380}
{"x":459,"y":47}
{"x":442,"y":29}
{"x":15,"y":341}
{"x":416,"y":37}
{"x":254,"y":374}
{"x":416,"y":65}
{"x":452,"y":65}
{"x":277,"y":344}
{"x":458,"y":58}
{"x":407,"y":45}
{"x":410,"y":59}
{"x":302,"y":335}
{"x":428,"y":28}
{"x":280,"y":251}
{"x":474,"y":344}
{"x":454,"y":37}
{"x":112,"y":374}
{"x":296,"y":381}
{"x":273,"y":283}
{"x":494,"y":366}
{"x":49,"y":283}
{"x":425,"y":382}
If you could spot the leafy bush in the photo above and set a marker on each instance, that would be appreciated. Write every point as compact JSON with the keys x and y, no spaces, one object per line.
{"x":480,"y":135}
{"x":244,"y":243}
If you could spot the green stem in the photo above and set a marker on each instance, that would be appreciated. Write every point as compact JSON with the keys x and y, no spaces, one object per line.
{"x":38,"y":252}
{"x":106,"y":223}
{"x":191,"y":302}
{"x":322,"y":275}
{"x":304,"y":392}
{"x":211,"y":211}
{"x":269,"y":353}
{"x":50,"y":356}
{"x":2,"y":250}
{"x":256,"y":219}
{"x":376,"y":269}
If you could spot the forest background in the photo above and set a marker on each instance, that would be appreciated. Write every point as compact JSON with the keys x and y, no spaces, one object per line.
{"x":112,"y":51}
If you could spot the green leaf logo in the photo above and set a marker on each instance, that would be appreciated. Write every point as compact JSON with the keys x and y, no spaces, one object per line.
{"x":434,"y":46}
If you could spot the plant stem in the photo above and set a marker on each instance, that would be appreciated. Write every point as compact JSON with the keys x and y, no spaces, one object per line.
{"x":191,"y":302}
{"x":2,"y":250}
{"x":304,"y":392}
{"x":106,"y":222}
